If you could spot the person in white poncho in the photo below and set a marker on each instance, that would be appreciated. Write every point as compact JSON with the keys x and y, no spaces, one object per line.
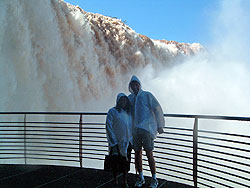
{"x":148,"y":119}
{"x":119,"y":135}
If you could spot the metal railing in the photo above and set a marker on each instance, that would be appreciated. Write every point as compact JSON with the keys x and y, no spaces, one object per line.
{"x":185,"y":152}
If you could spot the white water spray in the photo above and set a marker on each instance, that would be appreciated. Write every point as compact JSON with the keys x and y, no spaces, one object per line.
{"x":216,"y":83}
{"x":57,"y":57}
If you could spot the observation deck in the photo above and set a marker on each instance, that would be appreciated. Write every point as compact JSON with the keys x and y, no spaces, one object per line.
{"x":67,"y":149}
{"x":30,"y":176}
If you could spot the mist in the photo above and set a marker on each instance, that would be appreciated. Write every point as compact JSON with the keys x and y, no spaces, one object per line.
{"x":215,"y":82}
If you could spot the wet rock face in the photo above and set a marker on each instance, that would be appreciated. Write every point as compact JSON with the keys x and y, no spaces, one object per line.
{"x":71,"y":56}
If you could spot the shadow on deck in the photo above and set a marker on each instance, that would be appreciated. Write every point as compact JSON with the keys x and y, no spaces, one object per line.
{"x":33,"y":176}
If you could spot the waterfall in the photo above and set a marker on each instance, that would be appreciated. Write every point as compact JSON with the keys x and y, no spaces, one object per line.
{"x":56,"y":57}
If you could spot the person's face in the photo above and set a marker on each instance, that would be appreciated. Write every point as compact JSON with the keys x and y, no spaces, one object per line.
{"x":135,"y":86}
{"x":123,"y":102}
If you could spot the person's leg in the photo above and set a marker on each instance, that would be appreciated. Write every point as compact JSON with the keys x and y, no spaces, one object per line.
{"x":149,"y":147}
{"x":138,"y":152}
{"x":138,"y":160}
{"x":151,"y":162}
{"x":125,"y":165}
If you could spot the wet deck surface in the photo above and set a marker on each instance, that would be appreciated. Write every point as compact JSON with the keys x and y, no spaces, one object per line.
{"x":21,"y":176}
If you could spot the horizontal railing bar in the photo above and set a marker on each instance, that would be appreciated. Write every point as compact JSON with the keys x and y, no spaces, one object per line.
{"x":224,"y":159}
{"x":88,"y":136}
{"x":222,"y":146}
{"x":226,"y":166}
{"x":56,"y":143}
{"x":38,"y":150}
{"x":89,"y":153}
{"x":51,"y":122}
{"x":94,"y":133}
{"x":43,"y":158}
{"x":177,"y":166}
{"x":177,"y":171}
{"x":11,"y":138}
{"x":57,"y":129}
{"x":41,"y":142}
{"x":11,"y":153}
{"x":41,"y":122}
{"x":220,"y":133}
{"x":50,"y":127}
{"x":54,"y":147}
{"x":45,"y":122}
{"x":41,"y":138}
{"x":180,"y":145}
{"x":57,"y":113}
{"x":93,"y":123}
{"x":176,"y":155}
{"x":33,"y":126}
{"x":189,"y":152}
{"x":37,"y":134}
{"x":180,"y":134}
{"x":224,"y":153}
{"x":170,"y":175}
{"x":98,"y":128}
{"x":15,"y":130}
{"x":102,"y":150}
{"x":11,"y":157}
{"x":224,"y":172}
{"x":220,"y":177}
{"x":209,"y":180}
{"x":95,"y":145}
{"x":169,"y":159}
{"x":20,"y":145}
{"x":205,"y":185}
{"x":96,"y":158}
{"x":209,"y":117}
{"x":176,"y":139}
{"x":39,"y":146}
{"x":225,"y":140}
{"x":176,"y":128}
{"x":41,"y":154}
{"x":95,"y":141}
{"x":30,"y":134}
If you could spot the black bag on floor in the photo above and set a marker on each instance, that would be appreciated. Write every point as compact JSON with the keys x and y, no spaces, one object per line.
{"x":108,"y":162}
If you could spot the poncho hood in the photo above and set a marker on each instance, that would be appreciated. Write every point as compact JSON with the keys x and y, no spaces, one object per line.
{"x":119,"y":96}
{"x":133,"y":79}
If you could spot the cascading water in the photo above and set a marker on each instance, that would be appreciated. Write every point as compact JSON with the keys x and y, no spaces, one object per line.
{"x":57,"y":57}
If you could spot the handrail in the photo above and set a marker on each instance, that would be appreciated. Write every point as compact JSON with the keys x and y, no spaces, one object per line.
{"x":180,"y":155}
{"x":238,"y":118}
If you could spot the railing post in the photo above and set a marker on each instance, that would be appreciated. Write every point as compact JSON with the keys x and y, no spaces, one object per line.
{"x":195,"y":145}
{"x":80,"y":140}
{"x":24,"y":139}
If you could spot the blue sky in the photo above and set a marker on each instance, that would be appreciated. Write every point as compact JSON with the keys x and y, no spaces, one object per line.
{"x":179,"y":20}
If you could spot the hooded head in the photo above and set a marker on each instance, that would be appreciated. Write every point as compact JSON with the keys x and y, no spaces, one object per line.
{"x":119,"y":96}
{"x":123,"y":104}
{"x":133,"y":80}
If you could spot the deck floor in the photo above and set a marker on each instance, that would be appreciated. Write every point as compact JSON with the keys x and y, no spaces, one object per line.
{"x":31,"y":176}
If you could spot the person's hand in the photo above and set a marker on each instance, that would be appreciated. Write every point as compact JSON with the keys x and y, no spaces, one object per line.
{"x":160,"y":130}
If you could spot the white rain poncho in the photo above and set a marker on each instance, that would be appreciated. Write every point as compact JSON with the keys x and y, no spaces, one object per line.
{"x":146,"y":111}
{"x":119,"y":128}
